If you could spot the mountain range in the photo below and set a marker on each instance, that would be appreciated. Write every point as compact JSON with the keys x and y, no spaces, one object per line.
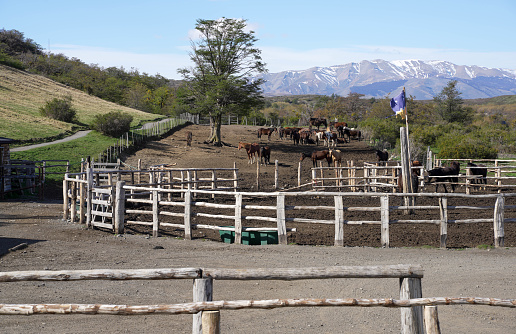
{"x":380,"y":78}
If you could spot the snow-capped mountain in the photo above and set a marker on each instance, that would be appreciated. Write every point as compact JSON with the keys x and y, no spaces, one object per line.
{"x":379,"y":78}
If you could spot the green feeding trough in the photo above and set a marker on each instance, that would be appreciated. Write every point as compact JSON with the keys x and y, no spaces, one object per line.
{"x":250,"y":237}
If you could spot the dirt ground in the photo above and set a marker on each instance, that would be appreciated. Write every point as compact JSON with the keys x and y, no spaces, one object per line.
{"x":33,"y":236}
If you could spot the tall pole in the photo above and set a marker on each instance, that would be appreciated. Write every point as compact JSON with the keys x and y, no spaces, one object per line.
{"x":406,"y":123}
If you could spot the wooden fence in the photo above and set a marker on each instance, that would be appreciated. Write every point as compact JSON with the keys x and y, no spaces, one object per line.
{"x":501,"y":174}
{"x":181,"y":207}
{"x":410,"y":302}
{"x":21,"y":175}
{"x":375,"y":177}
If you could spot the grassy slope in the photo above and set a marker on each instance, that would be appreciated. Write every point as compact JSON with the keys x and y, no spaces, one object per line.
{"x":22,"y":94}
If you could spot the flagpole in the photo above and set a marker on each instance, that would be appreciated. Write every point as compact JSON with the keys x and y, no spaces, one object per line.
{"x":406,"y":121}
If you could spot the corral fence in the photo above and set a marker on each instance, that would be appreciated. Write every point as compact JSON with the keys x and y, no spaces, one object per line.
{"x":418,"y":315}
{"x":26,"y":175}
{"x":222,"y":208}
{"x":135,"y":138}
{"x":501,"y":174}
{"x":91,"y":195}
{"x":374,"y":176}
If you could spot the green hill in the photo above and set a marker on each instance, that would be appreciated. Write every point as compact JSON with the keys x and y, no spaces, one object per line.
{"x":22,"y":94}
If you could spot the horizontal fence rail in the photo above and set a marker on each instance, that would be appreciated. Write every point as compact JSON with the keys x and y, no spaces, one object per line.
{"x":192,"y":308}
{"x":409,"y":287}
{"x":112,"y":204}
{"x":410,"y":302}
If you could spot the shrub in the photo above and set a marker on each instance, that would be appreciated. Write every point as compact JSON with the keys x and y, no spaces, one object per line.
{"x":60,"y":109}
{"x":113,"y":124}
{"x":465,"y":146}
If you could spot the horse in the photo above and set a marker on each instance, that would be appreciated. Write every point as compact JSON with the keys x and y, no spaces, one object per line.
{"x":265,"y":155}
{"x":382,"y":156}
{"x":338,"y":124}
{"x":352,"y":133}
{"x":479,"y":172}
{"x":189,"y":138}
{"x":336,"y":156}
{"x":445,"y":173}
{"x":317,"y":155}
{"x":304,"y":137}
{"x":251,"y":149}
{"x":268,"y":132}
{"x":295,"y":137}
{"x":318,"y":121}
{"x":330,"y":138}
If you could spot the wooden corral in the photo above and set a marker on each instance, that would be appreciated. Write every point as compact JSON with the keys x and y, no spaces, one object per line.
{"x":183,"y":205}
{"x":414,"y":319}
{"x":500,"y":173}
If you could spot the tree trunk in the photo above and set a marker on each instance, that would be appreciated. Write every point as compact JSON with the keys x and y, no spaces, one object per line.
{"x":215,"y":124}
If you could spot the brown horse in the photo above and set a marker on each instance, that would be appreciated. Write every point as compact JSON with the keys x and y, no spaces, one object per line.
{"x":317,"y":155}
{"x":189,"y":138}
{"x":318,"y":121}
{"x":265,"y":155}
{"x":268,"y":132}
{"x":337,"y":156}
{"x":441,"y":174}
{"x":352,"y":133}
{"x":251,"y":149}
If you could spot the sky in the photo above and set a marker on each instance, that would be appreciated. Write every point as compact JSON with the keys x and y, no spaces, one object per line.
{"x":155,"y":37}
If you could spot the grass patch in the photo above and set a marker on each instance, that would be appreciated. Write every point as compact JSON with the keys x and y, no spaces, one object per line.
{"x":484,"y":246}
{"x":73,"y":151}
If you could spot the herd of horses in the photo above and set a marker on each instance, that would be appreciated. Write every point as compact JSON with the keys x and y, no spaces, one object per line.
{"x":339,"y":132}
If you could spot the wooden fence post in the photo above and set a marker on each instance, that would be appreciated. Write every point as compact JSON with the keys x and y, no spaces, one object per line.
{"x":276,"y":174}
{"x":299,"y":174}
{"x":443,"y":210}
{"x":211,"y":322}
{"x":257,"y":175}
{"x":384,"y":213}
{"x":499,"y":233}
{"x":406,"y":174}
{"x":431,"y":320}
{"x":119,"y":207}
{"x":280,"y":214}
{"x":202,"y":292}
{"x":238,"y":218}
{"x":89,"y":196}
{"x":411,"y":317}
{"x":188,"y":215}
{"x":65,"y":198}
{"x":73,"y":201}
{"x":339,"y":221}
{"x":155,"y":213}
{"x":235,"y":176}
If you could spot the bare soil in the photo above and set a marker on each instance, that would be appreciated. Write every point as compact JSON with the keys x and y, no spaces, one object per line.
{"x":33,"y":236}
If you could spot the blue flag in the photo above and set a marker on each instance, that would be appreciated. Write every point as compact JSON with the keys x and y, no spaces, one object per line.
{"x":398,"y":103}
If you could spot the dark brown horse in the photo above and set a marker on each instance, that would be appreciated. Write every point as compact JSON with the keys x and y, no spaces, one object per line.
{"x":251,"y":149}
{"x":352,"y":133}
{"x":189,"y":138}
{"x":479,"y":173}
{"x":317,"y":155}
{"x":304,"y":137}
{"x":318,"y":121}
{"x":265,"y":155}
{"x":268,"y":132}
{"x":441,"y":174}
